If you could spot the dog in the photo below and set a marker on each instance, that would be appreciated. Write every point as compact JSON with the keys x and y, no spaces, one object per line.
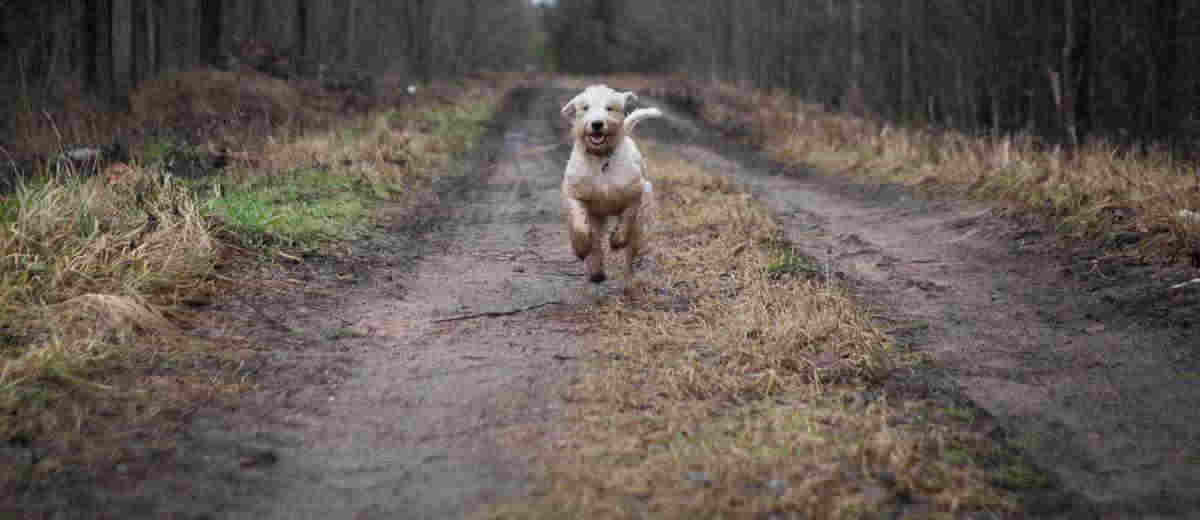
{"x":605,"y":177}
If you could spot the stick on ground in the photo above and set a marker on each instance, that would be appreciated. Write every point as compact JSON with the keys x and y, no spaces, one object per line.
{"x":496,"y":314}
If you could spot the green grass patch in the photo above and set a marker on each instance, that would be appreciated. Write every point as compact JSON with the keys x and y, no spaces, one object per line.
{"x":334,"y":181}
{"x":1020,"y":476}
{"x":299,"y":209}
{"x":461,"y":125}
{"x":789,"y":262}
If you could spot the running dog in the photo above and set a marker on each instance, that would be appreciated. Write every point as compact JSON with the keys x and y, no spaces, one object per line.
{"x":605,"y":177}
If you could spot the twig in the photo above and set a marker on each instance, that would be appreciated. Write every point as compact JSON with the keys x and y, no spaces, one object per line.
{"x":496,"y":314}
{"x":828,"y":267}
{"x":1185,"y":284}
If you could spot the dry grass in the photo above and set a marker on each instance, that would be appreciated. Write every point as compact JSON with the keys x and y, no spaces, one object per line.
{"x":1095,"y":191}
{"x":91,"y":275}
{"x":739,"y":384}
{"x":400,"y":151}
{"x":70,"y":117}
{"x":98,"y":274}
{"x":325,"y":185}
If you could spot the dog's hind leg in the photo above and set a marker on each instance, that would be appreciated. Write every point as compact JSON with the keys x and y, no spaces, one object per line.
{"x":634,"y":221}
{"x":626,"y":232}
{"x":629,"y":229}
{"x":638,"y":229}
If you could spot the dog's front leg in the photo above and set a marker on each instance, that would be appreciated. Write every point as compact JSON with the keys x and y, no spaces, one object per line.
{"x":579,"y":226}
{"x":595,"y":261}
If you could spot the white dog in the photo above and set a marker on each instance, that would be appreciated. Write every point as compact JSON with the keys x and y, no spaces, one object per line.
{"x":605,"y":177}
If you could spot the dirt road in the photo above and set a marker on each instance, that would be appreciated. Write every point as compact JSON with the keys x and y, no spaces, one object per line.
{"x":379,"y":410}
{"x":411,"y":434}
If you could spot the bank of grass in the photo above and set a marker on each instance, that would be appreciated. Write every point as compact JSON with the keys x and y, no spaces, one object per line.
{"x":101,"y":275}
{"x":1097,"y":191}
{"x":742,"y":383}
{"x":93,"y":349}
{"x":325,"y":186}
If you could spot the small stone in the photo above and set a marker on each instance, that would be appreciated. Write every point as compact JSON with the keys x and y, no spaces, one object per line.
{"x":876,"y":495}
{"x":265,"y":458}
{"x":698,"y":477}
{"x":519,"y":269}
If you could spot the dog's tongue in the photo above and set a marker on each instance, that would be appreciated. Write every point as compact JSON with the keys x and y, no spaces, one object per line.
{"x":597,"y":139}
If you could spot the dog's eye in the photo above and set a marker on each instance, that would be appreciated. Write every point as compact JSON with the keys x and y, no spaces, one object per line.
{"x":612,"y":109}
{"x":585,"y":108}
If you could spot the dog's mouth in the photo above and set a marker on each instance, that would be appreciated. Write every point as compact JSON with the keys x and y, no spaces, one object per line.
{"x":597,"y":139}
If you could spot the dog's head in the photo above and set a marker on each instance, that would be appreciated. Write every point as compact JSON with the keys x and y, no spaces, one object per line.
{"x":599,"y":116}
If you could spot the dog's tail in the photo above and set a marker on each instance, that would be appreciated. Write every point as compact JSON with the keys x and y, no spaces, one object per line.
{"x":638,"y":115}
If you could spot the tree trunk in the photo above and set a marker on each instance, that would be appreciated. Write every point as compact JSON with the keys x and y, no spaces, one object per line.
{"x":350,"y":31}
{"x":211,"y":14}
{"x":303,"y":47}
{"x":1066,"y":92}
{"x":1082,"y":67}
{"x":122,"y":46}
{"x":153,"y":57}
{"x":99,"y":26}
{"x":855,"y":101}
{"x":906,"y":49}
{"x":1166,"y":62}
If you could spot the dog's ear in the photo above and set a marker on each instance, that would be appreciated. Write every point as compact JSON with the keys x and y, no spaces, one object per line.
{"x":630,"y":100}
{"x":568,"y":110}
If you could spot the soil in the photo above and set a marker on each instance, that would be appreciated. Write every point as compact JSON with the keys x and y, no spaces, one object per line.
{"x":394,"y":370}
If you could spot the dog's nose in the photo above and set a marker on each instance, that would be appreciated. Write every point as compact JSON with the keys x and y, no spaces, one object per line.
{"x":597,"y":126}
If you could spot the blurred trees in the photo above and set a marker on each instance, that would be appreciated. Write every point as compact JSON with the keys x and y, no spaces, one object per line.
{"x":1063,"y":68}
{"x":110,"y":45}
{"x":592,"y":36}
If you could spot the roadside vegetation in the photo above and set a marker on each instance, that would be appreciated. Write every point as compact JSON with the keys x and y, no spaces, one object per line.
{"x":742,"y":381}
{"x":104,"y":265}
{"x":1138,"y":200}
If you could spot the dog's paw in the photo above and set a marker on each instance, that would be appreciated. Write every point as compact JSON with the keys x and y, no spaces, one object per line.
{"x":618,"y":241}
{"x":598,"y":277}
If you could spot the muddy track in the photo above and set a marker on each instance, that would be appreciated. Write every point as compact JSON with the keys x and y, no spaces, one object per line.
{"x":374,"y":408}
